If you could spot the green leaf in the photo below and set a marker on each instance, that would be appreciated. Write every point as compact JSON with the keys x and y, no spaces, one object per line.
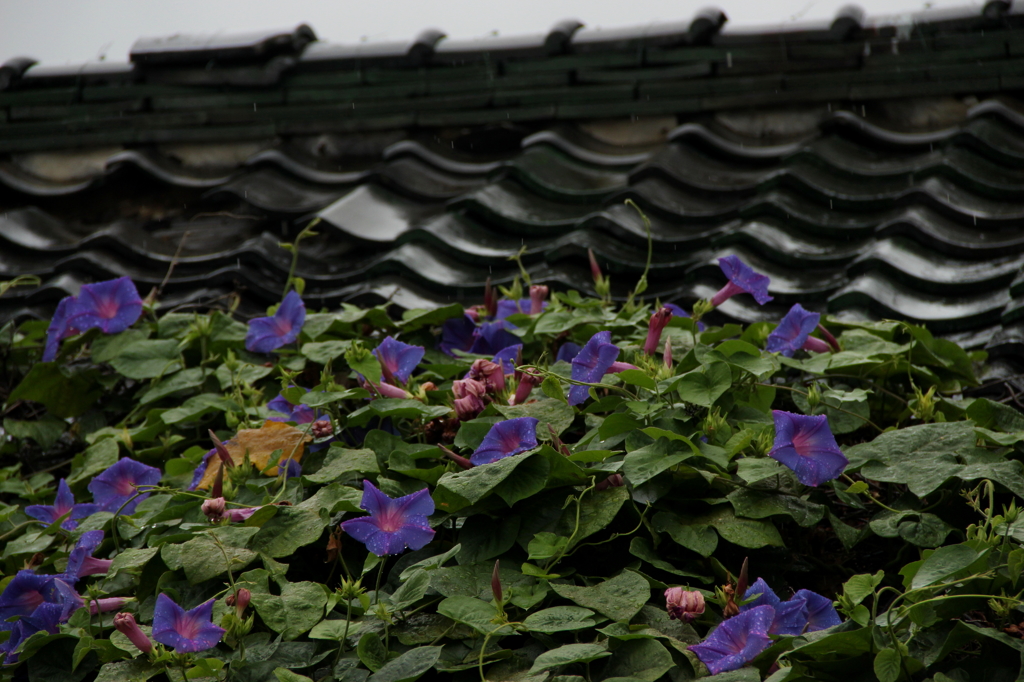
{"x":943,"y":563}
{"x":552,"y":388}
{"x":197,"y":406}
{"x":641,"y":548}
{"x":925,"y":457}
{"x":705,"y":385}
{"x":619,"y":598}
{"x":417,"y":318}
{"x":636,"y":377}
{"x":483,"y":537}
{"x":107,"y":347}
{"x":65,"y":391}
{"x":859,"y":587}
{"x":94,"y":460}
{"x":597,"y":510}
{"x":288,"y":530}
{"x":887,"y":665}
{"x":560,"y":619}
{"x":545,"y":546}
{"x":760,"y":504}
{"x":409,"y":666}
{"x":135,"y":670}
{"x":554,"y":412}
{"x":286,"y":675}
{"x":700,"y":538}
{"x":617,"y":423}
{"x":531,"y":477}
{"x":639,"y":659}
{"x":362,"y":360}
{"x":184,"y":380}
{"x":298,"y":608}
{"x":455,"y":490}
{"x":473,"y":612}
{"x":372,"y":652}
{"x":566,"y":654}
{"x":148,"y":359}
{"x":411,"y":591}
{"x":645,"y":463}
{"x":45,"y":431}
{"x":323,"y":352}
{"x":341,"y":461}
{"x":211,"y":554}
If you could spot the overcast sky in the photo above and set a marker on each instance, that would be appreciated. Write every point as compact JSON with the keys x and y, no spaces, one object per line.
{"x":74,"y":31}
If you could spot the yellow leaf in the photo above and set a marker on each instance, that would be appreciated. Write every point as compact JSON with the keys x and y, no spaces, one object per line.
{"x":260,"y":444}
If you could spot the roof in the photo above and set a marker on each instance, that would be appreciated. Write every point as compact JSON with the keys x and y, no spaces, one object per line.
{"x":869,"y":169}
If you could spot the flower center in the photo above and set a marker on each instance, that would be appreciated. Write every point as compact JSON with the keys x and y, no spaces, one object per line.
{"x":188,"y":627}
{"x":390,"y":521}
{"x":802,"y":444}
{"x":107,"y":308}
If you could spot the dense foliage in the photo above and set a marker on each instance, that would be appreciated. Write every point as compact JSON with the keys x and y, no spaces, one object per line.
{"x":538,"y":473}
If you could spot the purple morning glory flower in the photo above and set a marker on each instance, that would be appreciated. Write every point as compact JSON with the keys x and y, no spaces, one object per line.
{"x":507,"y":357}
{"x":794,"y":332}
{"x":393,"y":524}
{"x":267,"y":333}
{"x":505,"y":439}
{"x":491,"y":337}
{"x":59,"y":328}
{"x":65,"y":502}
{"x":117,"y":485}
{"x":28,"y":590}
{"x":46,"y":618}
{"x":185,"y":631}
{"x":398,"y":359}
{"x":81,"y":562}
{"x":806,"y":445}
{"x":821,"y":614}
{"x":591,"y":363}
{"x":110,"y":306}
{"x":510,"y":306}
{"x":568,"y":351}
{"x":679,"y":312}
{"x":790,"y":617}
{"x":457,"y":334}
{"x":741,"y":280}
{"x":300,"y":414}
{"x":737,"y":641}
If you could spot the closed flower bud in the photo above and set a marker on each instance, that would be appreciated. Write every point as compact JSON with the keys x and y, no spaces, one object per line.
{"x":654,"y":329}
{"x":126,"y":625}
{"x":538,"y":294}
{"x":490,"y":373}
{"x":214,"y":509}
{"x":684,"y":605}
{"x":321,"y":428}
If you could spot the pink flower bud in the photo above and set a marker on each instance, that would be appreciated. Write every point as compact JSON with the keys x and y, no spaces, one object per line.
{"x":684,"y":605}
{"x":240,"y":600}
{"x":239,"y":514}
{"x":538,"y":294}
{"x":126,"y":625}
{"x":466,"y":387}
{"x":222,"y":451}
{"x":816,"y":345}
{"x":458,"y":459}
{"x":214,"y":509}
{"x":490,"y":300}
{"x":595,"y":269}
{"x":321,"y":428}
{"x":93,"y":566}
{"x":496,"y":583}
{"x":613,"y":481}
{"x":831,"y":340}
{"x":387,"y":390}
{"x":490,"y":373}
{"x":468,"y":407}
{"x":667,"y":353}
{"x":525,"y":387}
{"x":428,"y":386}
{"x":106,"y":605}
{"x":654,"y":329}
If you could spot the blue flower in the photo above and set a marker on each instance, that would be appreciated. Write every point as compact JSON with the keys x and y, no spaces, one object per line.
{"x":118,"y":484}
{"x":510,"y":306}
{"x":457,"y":334}
{"x":393,"y":524}
{"x":793,"y":332}
{"x":300,"y":414}
{"x":185,"y":631}
{"x":110,"y":306}
{"x":505,"y":439}
{"x":491,"y":337}
{"x":736,"y":641}
{"x":806,"y":445}
{"x":568,"y":351}
{"x":65,"y":503}
{"x":790,"y":616}
{"x":507,"y":358}
{"x":81,"y":562}
{"x":821,"y":613}
{"x":268,"y":333}
{"x":593,"y":361}
{"x":398,"y":359}
{"x":741,"y":280}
